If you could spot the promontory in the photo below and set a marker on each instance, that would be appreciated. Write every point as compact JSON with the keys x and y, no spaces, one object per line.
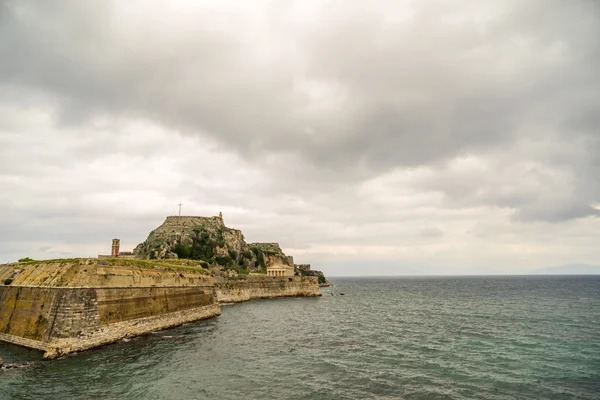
{"x":182,"y":272}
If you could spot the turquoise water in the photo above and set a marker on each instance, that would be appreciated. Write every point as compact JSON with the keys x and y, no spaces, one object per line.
{"x":399,"y":338}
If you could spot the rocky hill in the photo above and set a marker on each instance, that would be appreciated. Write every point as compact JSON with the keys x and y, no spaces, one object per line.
{"x":208,"y":239}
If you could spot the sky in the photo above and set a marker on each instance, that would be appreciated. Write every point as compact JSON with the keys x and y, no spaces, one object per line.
{"x":367,"y":138}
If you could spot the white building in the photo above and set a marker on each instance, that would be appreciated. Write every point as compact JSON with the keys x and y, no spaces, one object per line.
{"x":280,"y":270}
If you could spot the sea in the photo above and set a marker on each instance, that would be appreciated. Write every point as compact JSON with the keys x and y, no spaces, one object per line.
{"x":495,"y":337}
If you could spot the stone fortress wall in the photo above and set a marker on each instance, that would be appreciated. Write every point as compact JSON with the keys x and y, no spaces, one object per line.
{"x":63,"y":320}
{"x":73,"y":305}
{"x":244,"y":288}
{"x":177,"y":227}
{"x":63,"y":306}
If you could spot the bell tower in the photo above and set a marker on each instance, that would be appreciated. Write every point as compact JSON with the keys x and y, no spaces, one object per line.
{"x":116,"y":243}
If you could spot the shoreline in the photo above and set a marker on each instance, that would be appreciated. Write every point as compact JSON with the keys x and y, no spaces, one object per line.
{"x":75,"y":319}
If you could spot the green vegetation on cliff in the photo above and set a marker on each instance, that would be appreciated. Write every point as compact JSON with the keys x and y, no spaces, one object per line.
{"x":208,"y":239}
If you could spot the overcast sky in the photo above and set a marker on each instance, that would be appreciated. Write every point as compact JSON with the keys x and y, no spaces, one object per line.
{"x":366,"y":137}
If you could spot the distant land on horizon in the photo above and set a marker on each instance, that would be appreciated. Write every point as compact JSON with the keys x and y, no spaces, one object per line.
{"x":567,"y":269}
{"x":570,"y":269}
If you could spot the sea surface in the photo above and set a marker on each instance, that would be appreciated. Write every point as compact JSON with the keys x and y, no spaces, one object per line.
{"x":385,"y":338}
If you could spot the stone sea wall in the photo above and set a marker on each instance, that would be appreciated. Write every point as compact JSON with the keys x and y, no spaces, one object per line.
{"x":245,"y":288}
{"x":65,"y":306}
{"x":60,"y":320}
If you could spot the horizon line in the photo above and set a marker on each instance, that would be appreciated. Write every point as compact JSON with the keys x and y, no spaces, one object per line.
{"x":452,"y":275}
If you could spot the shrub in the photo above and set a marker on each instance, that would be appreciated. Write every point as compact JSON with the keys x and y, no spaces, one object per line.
{"x":182,"y":251}
{"x":203,"y":247}
{"x":26,"y":259}
{"x":260,"y":258}
{"x":8,"y":281}
{"x":322,"y":279}
{"x":224,"y":260}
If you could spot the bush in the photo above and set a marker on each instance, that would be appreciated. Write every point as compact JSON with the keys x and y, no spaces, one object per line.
{"x":260,"y":258}
{"x":8,"y":281}
{"x":26,"y":259}
{"x":203,"y":248}
{"x":226,"y":261}
{"x":322,"y":279}
{"x":182,"y":251}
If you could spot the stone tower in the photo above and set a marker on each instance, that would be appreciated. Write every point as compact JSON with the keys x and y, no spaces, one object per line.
{"x":116,"y":243}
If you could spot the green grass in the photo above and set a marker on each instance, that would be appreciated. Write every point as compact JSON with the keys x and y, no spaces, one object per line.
{"x":188,"y":265}
{"x":151,"y":264}
{"x":54,"y":261}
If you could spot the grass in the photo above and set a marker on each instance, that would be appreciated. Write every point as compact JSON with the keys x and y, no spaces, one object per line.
{"x":152,"y":263}
{"x":53,"y":261}
{"x":188,"y":265}
{"x":184,"y":262}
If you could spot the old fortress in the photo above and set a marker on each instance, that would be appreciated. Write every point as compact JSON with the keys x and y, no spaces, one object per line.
{"x":181,"y":273}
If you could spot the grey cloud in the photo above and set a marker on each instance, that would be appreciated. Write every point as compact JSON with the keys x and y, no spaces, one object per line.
{"x":303,"y":114}
{"x":401,"y":94}
{"x":431,"y":232}
{"x":412,"y":93}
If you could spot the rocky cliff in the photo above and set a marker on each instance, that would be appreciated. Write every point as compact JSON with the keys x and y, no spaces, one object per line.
{"x":179,"y":234}
{"x":209,"y":240}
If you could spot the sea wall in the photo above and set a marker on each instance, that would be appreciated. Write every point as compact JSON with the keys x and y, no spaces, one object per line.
{"x":248,"y":287}
{"x":61,"y":320}
{"x":64,"y":306}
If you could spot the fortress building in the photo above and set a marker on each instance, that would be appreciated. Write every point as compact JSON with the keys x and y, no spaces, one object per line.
{"x":116,"y":244}
{"x":115,"y":251}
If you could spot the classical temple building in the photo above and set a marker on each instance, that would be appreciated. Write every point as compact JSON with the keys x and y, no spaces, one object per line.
{"x":280,"y":270}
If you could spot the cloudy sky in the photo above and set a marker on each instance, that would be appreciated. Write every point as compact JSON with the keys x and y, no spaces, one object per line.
{"x":379,"y":137}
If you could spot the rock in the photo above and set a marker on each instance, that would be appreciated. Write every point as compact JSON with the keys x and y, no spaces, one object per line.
{"x":3,"y":365}
{"x":208,"y":239}
{"x":13,"y":366}
{"x":342,"y":294}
